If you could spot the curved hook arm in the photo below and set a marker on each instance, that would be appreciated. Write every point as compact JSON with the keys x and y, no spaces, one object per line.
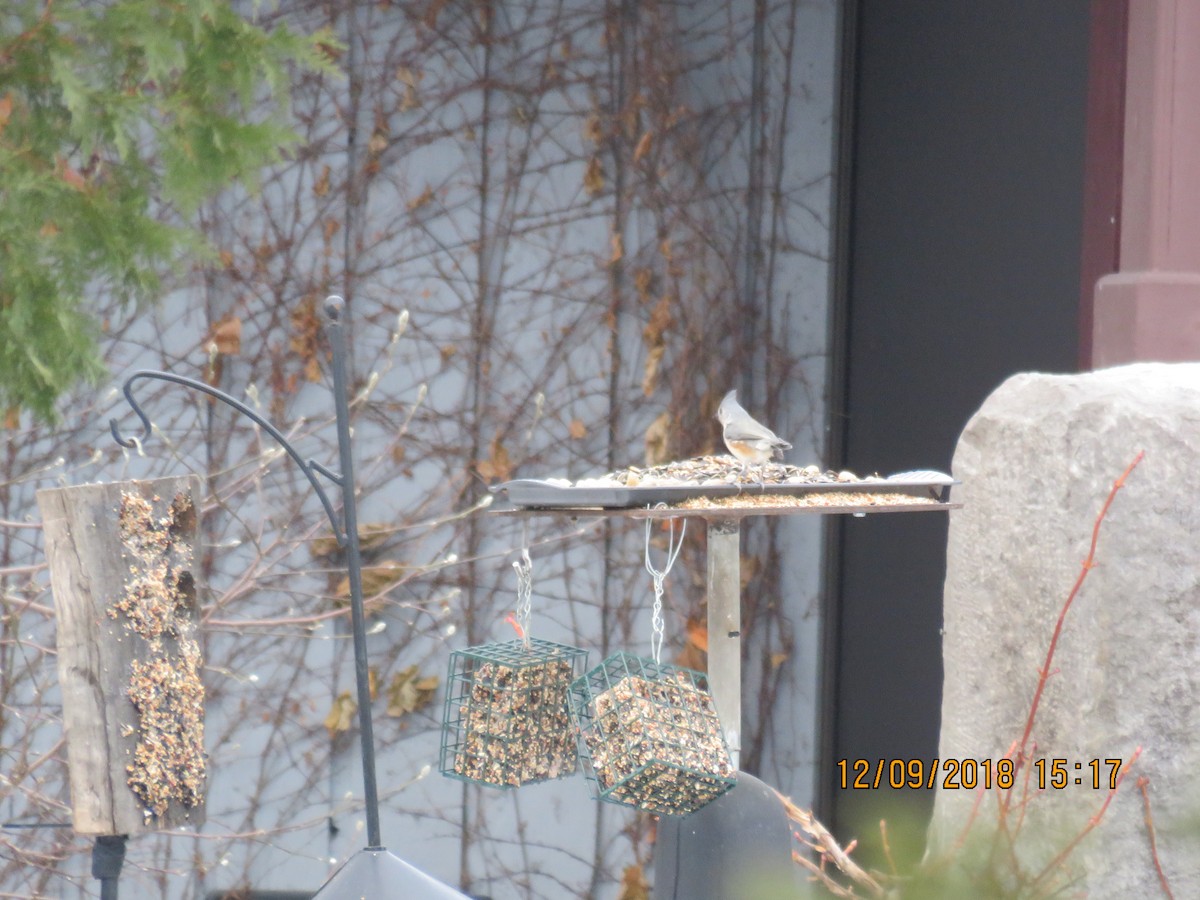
{"x":308,"y":467}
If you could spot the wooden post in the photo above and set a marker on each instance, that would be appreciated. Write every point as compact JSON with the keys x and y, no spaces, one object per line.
{"x":725,"y":627}
{"x":1150,"y":309}
{"x":121,"y":558}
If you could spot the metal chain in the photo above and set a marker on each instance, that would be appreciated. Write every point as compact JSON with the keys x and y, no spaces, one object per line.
{"x":658,"y":627}
{"x":524,"y":610}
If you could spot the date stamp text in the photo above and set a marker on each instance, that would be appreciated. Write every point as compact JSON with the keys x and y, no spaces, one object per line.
{"x":969,"y":774}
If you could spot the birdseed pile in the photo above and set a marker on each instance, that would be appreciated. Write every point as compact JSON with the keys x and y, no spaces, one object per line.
{"x":165,"y":688}
{"x":714,"y":470}
{"x":651,"y":737}
{"x":506,"y":721}
{"x":840,"y":500}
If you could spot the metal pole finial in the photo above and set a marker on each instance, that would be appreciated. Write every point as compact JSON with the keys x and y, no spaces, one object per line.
{"x":335,"y":307}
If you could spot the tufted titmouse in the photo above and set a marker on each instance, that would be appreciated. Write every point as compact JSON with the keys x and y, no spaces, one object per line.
{"x":749,"y":441}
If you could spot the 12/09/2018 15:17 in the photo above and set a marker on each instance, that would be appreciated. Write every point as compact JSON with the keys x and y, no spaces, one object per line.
{"x":969,"y":774}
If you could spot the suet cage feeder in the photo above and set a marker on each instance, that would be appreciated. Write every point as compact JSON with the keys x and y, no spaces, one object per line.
{"x":506,"y":721}
{"x":649,"y":736}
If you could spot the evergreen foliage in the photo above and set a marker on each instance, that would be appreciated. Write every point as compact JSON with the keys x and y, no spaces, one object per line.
{"x":117,"y":119}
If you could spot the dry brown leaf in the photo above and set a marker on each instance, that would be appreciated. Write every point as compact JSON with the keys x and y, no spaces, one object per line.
{"x":660,"y":320}
{"x":375,"y":579}
{"x":650,"y":374}
{"x":264,"y":251}
{"x":373,"y":683}
{"x":227,"y":335}
{"x":593,"y":177}
{"x":498,"y":466}
{"x":321,"y":188}
{"x":12,"y":418}
{"x":643,"y":281}
{"x":371,"y":536}
{"x":634,"y":885}
{"x":593,"y":130}
{"x":6,"y":106}
{"x":656,"y":440}
{"x":749,"y":569}
{"x":618,"y":249}
{"x":331,"y":52}
{"x":778,"y":659}
{"x":643,"y":146}
{"x":341,"y":714}
{"x":49,"y":230}
{"x":408,"y":691}
{"x":420,"y":200}
{"x":378,"y":578}
{"x":323,"y":546}
{"x":410,"y":100}
{"x":631,"y":116}
{"x":577,"y":429}
{"x":431,"y":14}
{"x":306,"y":329}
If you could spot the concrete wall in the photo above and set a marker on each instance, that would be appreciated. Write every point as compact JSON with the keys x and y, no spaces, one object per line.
{"x":1037,"y":463}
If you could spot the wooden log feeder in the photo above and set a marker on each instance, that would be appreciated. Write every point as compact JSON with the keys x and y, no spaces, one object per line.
{"x":121,"y":558}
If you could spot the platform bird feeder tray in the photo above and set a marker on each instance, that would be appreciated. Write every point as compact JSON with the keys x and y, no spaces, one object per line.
{"x":506,"y":721}
{"x":121,"y":558}
{"x":649,"y":736}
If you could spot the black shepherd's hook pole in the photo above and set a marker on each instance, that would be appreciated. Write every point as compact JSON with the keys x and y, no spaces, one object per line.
{"x":334,"y":308}
{"x":108,"y":854}
{"x":346,"y":531}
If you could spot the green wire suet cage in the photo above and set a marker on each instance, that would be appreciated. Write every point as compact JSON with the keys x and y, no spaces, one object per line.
{"x":506,"y":721}
{"x":649,"y":736}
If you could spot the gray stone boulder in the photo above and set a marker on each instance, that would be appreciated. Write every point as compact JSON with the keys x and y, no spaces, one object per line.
{"x":1036,"y":464}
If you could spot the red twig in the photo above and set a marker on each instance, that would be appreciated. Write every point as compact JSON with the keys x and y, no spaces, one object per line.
{"x":887,"y":847}
{"x":1091,"y":823}
{"x":1025,"y":792}
{"x":1087,"y":566}
{"x":1143,"y":783}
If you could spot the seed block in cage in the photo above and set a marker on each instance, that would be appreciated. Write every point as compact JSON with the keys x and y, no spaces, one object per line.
{"x":649,"y":736}
{"x":506,"y":721}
